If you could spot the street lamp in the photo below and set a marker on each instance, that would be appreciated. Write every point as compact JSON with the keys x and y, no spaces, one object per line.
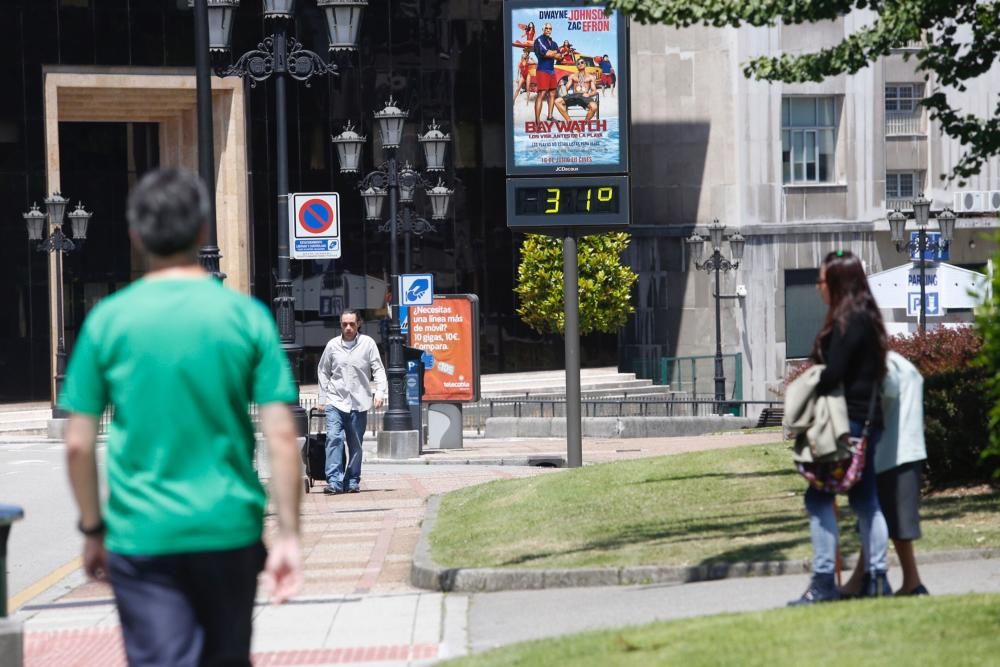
{"x":921,"y":245}
{"x":280,"y":56}
{"x":59,"y":243}
{"x":719,"y":264}
{"x":397,"y":183}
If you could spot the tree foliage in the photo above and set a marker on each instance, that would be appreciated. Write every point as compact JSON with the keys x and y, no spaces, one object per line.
{"x":961,"y":41}
{"x":988,"y":325}
{"x":605,"y":284}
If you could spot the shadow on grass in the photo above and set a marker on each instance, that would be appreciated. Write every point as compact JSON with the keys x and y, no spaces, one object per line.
{"x":939,"y":509}
{"x":711,"y":528}
{"x":720,"y":475}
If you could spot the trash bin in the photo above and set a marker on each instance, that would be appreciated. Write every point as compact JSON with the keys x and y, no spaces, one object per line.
{"x":415,"y":387}
{"x":8,"y":515}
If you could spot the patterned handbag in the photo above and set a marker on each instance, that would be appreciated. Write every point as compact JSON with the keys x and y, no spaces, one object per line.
{"x":840,"y":475}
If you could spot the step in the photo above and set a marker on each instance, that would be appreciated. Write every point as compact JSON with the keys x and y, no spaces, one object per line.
{"x":13,"y":416}
{"x":561,"y":388}
{"x":552,"y":379}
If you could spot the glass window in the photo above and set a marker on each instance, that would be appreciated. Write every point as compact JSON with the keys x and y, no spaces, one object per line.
{"x":902,"y":98}
{"x":804,"y":312}
{"x":808,"y":139}
{"x":900,"y":185}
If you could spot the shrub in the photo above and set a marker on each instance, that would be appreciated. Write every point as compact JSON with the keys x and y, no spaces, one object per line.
{"x":988,"y":325}
{"x":605,"y":284}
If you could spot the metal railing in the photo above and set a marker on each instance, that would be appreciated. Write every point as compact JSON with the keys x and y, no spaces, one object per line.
{"x":623,"y":407}
{"x":617,"y":404}
{"x":904,"y":124}
{"x":899,"y":204}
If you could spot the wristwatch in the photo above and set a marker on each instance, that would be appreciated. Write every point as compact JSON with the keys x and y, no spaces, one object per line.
{"x":93,"y":531}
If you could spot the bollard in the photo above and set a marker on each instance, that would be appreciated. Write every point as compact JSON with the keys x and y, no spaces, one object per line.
{"x":8,"y":515}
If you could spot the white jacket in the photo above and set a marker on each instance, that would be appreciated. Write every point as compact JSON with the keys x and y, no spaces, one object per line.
{"x":903,"y":412}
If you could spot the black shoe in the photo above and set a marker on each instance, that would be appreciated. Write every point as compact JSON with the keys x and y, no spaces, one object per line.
{"x":356,"y":489}
{"x":332,"y":491}
{"x":919,"y":590}
{"x":878,"y":585}
{"x":821,"y":589}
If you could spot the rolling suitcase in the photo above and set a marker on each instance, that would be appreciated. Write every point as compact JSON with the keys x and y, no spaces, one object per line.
{"x":314,"y":449}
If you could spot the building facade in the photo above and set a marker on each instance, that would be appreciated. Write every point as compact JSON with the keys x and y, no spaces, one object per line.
{"x":799,"y":170}
{"x":95,"y":92}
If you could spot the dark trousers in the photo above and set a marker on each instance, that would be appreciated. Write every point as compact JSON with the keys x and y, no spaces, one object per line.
{"x":187,"y":609}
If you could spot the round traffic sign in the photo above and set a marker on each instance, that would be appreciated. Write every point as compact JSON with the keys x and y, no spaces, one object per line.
{"x":315,"y":216}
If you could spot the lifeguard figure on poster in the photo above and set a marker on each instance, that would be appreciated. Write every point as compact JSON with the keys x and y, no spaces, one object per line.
{"x":564,"y":74}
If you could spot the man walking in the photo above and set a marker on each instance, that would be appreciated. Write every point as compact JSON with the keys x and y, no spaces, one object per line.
{"x":180,"y":357}
{"x":346,"y":369}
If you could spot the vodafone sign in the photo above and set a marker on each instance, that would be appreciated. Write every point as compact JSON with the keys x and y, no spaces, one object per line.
{"x":314,"y":225}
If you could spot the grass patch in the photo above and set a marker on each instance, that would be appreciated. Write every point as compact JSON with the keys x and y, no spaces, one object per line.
{"x":946,"y":630}
{"x":740,"y":504}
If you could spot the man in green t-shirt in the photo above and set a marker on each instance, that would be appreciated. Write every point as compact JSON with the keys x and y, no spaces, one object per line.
{"x":180,"y":357}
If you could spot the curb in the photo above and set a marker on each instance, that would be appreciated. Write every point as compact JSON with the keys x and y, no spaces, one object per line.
{"x":535,"y":460}
{"x":427,"y":574}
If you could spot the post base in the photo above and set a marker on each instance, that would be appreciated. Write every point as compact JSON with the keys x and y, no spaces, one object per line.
{"x":11,"y":642}
{"x":444,"y":426}
{"x":56,"y":428}
{"x":398,"y":444}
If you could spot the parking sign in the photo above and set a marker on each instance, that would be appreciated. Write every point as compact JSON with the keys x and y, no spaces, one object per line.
{"x":416,"y":289}
{"x":314,"y":222}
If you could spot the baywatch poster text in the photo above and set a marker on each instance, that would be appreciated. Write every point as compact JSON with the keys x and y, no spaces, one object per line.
{"x":564,"y":94}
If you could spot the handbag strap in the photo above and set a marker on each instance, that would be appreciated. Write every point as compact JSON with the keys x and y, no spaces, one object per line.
{"x":871,"y":412}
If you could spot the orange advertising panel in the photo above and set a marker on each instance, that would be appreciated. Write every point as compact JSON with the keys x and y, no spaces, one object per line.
{"x":448,"y":332}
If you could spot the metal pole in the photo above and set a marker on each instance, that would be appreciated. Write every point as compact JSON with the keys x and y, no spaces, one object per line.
{"x":407,"y":222}
{"x":209,"y":255}
{"x":397,"y":415}
{"x":284,"y":300}
{"x":574,"y":442}
{"x":922,"y":243}
{"x":58,"y":240}
{"x":720,"y":378}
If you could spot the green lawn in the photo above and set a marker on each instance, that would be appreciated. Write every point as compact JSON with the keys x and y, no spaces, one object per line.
{"x":948,"y":630}
{"x":741,"y":504}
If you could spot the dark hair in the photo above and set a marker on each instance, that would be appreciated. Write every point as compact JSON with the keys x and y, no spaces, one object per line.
{"x":847,"y":287}
{"x":351,"y":311}
{"x":167,"y":210}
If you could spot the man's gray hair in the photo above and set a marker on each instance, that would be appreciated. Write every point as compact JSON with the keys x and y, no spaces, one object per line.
{"x":167,"y":210}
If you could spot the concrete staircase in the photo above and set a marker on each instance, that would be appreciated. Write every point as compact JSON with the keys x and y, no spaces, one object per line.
{"x":594,"y":383}
{"x":24,"y":419}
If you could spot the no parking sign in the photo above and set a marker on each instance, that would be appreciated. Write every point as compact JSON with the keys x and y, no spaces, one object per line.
{"x":314,"y":221}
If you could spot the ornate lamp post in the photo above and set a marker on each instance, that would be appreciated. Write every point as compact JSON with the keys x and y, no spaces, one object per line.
{"x":59,"y":243}
{"x":280,"y":56}
{"x":921,"y":245}
{"x":719,"y":264}
{"x":398,"y":184}
{"x":207,"y":36}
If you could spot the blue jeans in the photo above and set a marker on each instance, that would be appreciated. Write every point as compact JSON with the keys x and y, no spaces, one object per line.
{"x":341,"y":428}
{"x":863,"y":498}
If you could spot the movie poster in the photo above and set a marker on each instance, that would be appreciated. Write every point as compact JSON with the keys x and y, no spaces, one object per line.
{"x":568,"y":99}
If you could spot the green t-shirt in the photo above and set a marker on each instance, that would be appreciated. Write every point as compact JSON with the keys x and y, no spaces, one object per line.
{"x":179,"y":359}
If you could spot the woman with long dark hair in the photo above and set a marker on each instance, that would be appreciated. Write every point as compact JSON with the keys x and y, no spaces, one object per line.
{"x":852,"y":345}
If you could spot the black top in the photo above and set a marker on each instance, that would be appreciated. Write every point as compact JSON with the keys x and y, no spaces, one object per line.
{"x":852,"y":360}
